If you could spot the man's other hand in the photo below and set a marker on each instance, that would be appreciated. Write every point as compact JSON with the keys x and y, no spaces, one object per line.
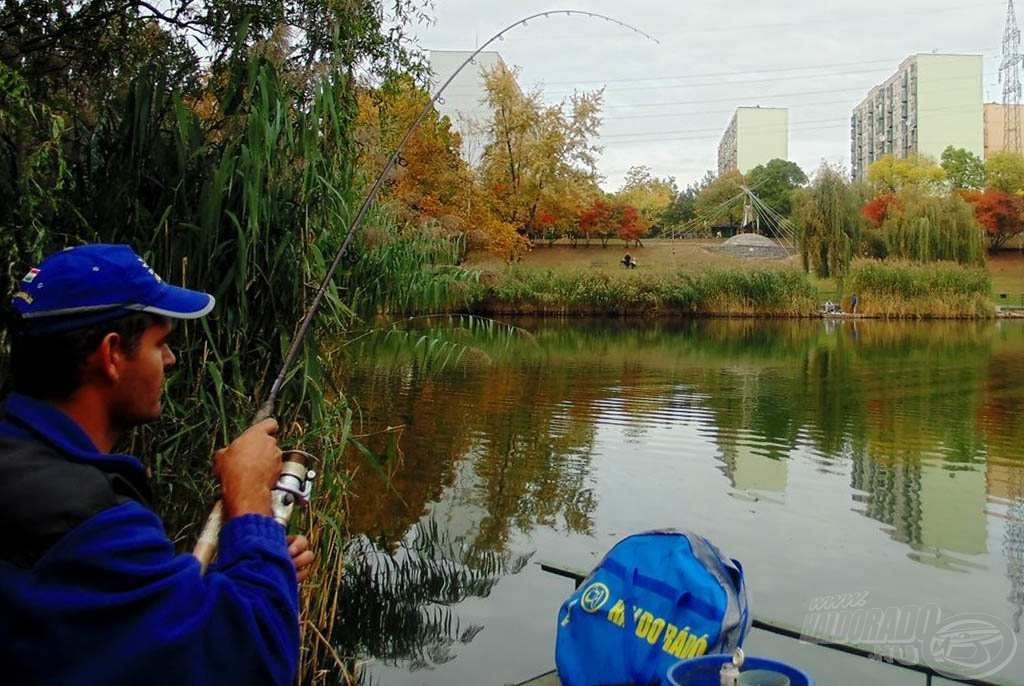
{"x":302,"y":556}
{"x":248,"y":470}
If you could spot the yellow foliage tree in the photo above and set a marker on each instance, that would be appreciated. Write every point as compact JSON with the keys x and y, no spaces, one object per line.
{"x":538,"y":165}
{"x":891,"y":174}
{"x":432,"y":184}
{"x":650,"y":195}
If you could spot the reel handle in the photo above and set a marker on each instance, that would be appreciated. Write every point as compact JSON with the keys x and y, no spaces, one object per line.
{"x":294,"y":486}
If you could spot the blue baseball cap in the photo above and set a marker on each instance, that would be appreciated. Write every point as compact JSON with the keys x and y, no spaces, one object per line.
{"x":90,"y":284}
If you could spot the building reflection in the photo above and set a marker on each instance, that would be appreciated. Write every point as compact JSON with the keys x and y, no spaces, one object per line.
{"x":926,"y":419}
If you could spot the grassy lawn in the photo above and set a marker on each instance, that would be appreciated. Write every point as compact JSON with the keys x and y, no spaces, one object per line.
{"x":656,"y":256}
{"x":663,"y":256}
{"x":1007,"y":270}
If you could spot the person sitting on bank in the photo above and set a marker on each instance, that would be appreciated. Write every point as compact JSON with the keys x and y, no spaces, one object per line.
{"x":91,"y":591}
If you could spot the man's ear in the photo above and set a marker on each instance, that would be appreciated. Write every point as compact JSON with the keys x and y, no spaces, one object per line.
{"x":106,"y":360}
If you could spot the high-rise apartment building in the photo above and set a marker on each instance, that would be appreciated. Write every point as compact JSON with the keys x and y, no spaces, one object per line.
{"x":464,"y":102}
{"x":931,"y":102}
{"x":755,"y":135}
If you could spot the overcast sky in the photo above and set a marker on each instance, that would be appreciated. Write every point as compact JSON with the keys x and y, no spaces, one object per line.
{"x":667,"y":104}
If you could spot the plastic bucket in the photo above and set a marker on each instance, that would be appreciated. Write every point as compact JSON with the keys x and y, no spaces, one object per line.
{"x":756,"y":671}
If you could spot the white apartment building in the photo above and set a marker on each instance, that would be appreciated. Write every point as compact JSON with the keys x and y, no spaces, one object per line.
{"x":931,"y":102}
{"x":755,"y":135}
{"x":464,"y":102}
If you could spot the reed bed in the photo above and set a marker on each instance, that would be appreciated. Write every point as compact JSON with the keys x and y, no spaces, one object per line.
{"x":899,"y":289}
{"x":721,"y":292}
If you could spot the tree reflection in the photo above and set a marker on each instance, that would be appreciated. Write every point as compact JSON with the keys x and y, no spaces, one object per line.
{"x":927,"y":418}
{"x":397,"y":604}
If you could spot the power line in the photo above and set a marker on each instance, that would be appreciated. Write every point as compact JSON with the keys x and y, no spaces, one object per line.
{"x":831,"y":19}
{"x":727,"y":73}
{"x":753,"y":97}
{"x":797,"y":126}
{"x":470,"y":89}
{"x":804,"y":105}
{"x":708,"y":137}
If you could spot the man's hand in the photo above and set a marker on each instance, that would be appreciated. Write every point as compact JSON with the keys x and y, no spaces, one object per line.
{"x":302,"y":556}
{"x":248,"y":470}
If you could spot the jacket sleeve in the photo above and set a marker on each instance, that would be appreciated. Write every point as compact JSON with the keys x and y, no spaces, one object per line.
{"x":153,"y":618}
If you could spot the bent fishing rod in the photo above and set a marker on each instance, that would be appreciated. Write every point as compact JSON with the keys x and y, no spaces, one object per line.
{"x":294,"y":485}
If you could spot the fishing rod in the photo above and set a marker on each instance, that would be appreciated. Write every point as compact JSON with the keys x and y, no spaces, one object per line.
{"x":294,"y":486}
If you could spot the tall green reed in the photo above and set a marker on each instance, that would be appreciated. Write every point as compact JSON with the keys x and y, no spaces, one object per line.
{"x":896,"y":288}
{"x":714,"y":292}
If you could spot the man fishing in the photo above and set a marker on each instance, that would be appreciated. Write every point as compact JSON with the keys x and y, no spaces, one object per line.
{"x":91,"y":591}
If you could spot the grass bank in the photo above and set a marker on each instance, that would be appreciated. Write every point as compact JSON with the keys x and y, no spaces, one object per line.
{"x":720,"y":291}
{"x":898,"y":289}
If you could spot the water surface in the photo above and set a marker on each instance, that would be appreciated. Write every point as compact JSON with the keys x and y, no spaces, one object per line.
{"x":872,"y":457}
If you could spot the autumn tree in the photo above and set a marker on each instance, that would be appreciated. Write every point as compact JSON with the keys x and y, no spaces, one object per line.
{"x":826,"y":214}
{"x":774,"y":183}
{"x":432,"y":186}
{"x":889,"y":174}
{"x":535,"y":153}
{"x":877,"y":209}
{"x":631,"y":225}
{"x":429,"y":184}
{"x":963,"y":168}
{"x":649,"y":195}
{"x":1005,"y":171}
{"x":1000,"y":213}
{"x":598,"y":220}
{"x":721,"y":200}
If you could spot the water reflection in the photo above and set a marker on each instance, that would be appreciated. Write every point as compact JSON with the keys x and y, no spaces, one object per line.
{"x":926,"y":420}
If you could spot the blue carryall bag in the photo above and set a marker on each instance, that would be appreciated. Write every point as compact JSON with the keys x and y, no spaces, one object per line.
{"x":655,"y":599}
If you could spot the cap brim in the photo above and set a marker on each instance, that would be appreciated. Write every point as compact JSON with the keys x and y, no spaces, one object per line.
{"x":179,"y":303}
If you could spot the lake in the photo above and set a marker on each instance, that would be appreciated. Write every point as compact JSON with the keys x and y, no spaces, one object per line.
{"x":878,"y":458}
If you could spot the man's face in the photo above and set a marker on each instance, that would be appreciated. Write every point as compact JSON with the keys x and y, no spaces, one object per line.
{"x":142,"y":377}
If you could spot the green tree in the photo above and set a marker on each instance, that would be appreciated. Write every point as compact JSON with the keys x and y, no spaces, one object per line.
{"x":683,"y":208}
{"x":963,"y":168}
{"x":721,"y":201}
{"x":775,"y":182}
{"x":1005,"y":171}
{"x":828,"y":217}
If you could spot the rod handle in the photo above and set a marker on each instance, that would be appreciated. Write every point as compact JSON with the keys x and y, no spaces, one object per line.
{"x":206,"y":546}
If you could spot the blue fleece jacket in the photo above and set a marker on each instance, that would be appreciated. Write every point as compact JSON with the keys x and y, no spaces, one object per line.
{"x":107,"y":601}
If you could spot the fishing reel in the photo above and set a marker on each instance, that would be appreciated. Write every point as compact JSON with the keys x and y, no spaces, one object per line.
{"x":294,"y":486}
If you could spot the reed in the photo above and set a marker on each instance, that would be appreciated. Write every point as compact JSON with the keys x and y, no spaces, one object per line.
{"x":724,"y":292}
{"x":901,"y":289}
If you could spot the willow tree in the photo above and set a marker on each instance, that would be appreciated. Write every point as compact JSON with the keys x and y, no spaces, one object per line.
{"x":829,"y":222}
{"x":925,"y":228}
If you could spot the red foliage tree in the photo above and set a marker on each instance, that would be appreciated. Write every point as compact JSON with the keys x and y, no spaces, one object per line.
{"x":1000,"y":213}
{"x":877,"y":209}
{"x":545,"y":220}
{"x":630,"y":224}
{"x":597,"y":219}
